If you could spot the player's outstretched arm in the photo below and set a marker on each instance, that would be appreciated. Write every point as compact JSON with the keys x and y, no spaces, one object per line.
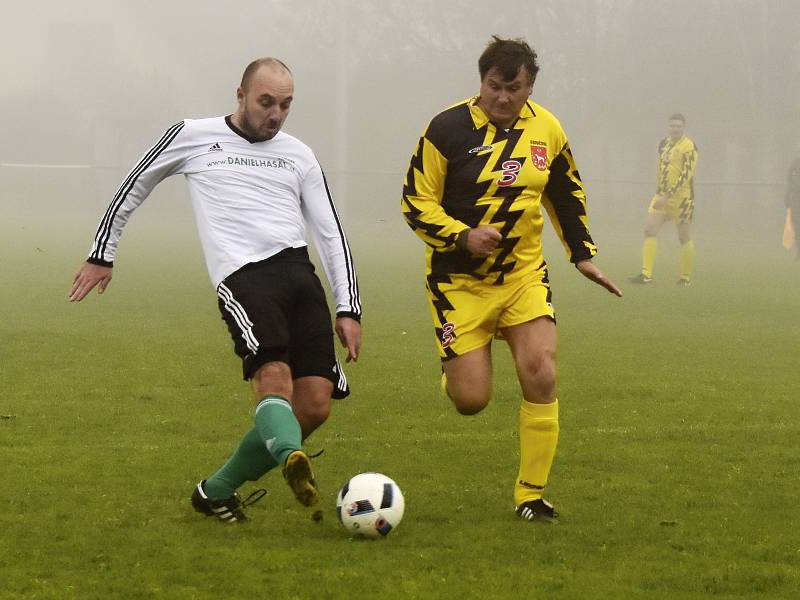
{"x":589,"y":270}
{"x":349,"y":332}
{"x":87,"y":278}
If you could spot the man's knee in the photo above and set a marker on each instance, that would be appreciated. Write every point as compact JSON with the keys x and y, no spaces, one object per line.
{"x":273,"y":378}
{"x":538,"y":378}
{"x":651,"y":230}
{"x":468,"y":400}
{"x":315,"y":411}
{"x":469,"y":380}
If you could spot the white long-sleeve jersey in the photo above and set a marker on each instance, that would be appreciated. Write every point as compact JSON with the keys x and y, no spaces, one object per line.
{"x":251,"y":200}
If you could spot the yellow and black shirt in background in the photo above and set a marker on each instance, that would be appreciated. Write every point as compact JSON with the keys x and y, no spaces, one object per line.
{"x":677,"y":160}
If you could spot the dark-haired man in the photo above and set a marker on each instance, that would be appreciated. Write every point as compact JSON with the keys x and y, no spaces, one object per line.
{"x":254,"y":188}
{"x":674,"y":201}
{"x":474,"y":193}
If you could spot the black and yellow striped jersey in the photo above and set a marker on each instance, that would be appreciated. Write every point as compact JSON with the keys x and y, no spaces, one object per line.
{"x":467,"y":172}
{"x":676,"y":163}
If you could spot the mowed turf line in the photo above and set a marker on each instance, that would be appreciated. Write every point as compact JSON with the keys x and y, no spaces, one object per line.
{"x":676,"y":472}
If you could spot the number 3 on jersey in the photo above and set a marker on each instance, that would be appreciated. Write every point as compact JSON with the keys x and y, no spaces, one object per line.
{"x":510,"y":169}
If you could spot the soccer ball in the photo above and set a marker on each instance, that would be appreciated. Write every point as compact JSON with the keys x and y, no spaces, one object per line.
{"x":370,"y":505}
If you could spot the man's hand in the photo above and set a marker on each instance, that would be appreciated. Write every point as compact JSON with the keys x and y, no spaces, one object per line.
{"x":349,"y":332}
{"x":87,"y":278}
{"x":482,"y":240}
{"x":590,"y":271}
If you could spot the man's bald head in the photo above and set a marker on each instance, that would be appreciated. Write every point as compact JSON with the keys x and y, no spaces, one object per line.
{"x":264,"y":98}
{"x":253,"y":67}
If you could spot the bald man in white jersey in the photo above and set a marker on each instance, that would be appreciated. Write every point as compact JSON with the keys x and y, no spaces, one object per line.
{"x":254,"y":188}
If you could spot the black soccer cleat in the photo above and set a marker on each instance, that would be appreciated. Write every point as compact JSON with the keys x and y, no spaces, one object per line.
{"x":640,"y":278}
{"x":683,"y":282}
{"x":298,"y":474}
{"x":537,"y":510}
{"x":227,"y":510}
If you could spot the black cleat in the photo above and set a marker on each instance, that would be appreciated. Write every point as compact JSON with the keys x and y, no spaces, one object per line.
{"x":298,"y":474}
{"x":227,"y":510}
{"x":640,"y":278}
{"x":683,"y":282}
{"x":537,"y":510}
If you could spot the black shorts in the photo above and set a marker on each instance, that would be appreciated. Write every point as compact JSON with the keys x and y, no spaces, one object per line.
{"x":275,"y":310}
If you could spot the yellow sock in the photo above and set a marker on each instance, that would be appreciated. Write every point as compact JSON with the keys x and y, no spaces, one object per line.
{"x":687,"y":260}
{"x":538,"y":437}
{"x":649,"y":249}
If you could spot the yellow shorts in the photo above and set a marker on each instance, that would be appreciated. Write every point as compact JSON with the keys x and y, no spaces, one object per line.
{"x":678,"y":208}
{"x":468,"y":313}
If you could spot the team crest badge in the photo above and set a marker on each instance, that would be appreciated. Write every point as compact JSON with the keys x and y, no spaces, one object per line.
{"x":539,"y":155}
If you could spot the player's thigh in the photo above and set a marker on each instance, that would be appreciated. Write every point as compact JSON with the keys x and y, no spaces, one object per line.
{"x":311,"y":348}
{"x":469,"y":379}
{"x":526,"y":300}
{"x":654,"y":222}
{"x":252,"y":303}
{"x":464,"y":314}
{"x":311,"y":402}
{"x":533,"y":346}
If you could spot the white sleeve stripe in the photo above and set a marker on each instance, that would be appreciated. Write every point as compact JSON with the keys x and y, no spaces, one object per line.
{"x":352,"y":282}
{"x":239,"y":315}
{"x":105,"y":227}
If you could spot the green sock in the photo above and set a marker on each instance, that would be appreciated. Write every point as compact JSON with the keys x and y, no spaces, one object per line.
{"x":278,"y":427}
{"x":249,"y":463}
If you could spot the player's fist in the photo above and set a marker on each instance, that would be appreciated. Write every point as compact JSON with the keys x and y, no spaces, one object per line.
{"x":483,"y":240}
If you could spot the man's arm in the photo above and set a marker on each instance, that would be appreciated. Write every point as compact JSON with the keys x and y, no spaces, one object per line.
{"x":422,"y":197}
{"x":337,"y":260}
{"x":331,"y":242}
{"x":565,"y":202}
{"x":162,"y":160}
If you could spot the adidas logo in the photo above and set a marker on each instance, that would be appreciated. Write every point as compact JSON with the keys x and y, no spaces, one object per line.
{"x":215,"y":148}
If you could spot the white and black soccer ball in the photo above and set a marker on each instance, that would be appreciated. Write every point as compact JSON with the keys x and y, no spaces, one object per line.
{"x":370,"y":505}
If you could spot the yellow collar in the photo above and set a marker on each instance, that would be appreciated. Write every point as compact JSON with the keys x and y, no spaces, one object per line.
{"x":480,"y":119}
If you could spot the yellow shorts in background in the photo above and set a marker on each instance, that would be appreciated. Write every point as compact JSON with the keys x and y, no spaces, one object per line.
{"x":679,"y":209}
{"x":468,"y":313}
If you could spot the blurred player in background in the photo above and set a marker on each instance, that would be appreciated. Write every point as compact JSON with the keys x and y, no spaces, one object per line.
{"x":792,"y":209}
{"x":674,"y":201}
{"x":254,"y":189}
{"x":474,"y":193}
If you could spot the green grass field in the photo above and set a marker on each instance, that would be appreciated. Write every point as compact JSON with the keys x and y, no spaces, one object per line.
{"x":676,"y":475}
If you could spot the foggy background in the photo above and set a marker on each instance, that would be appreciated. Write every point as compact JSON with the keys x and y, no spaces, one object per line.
{"x":88,"y":86}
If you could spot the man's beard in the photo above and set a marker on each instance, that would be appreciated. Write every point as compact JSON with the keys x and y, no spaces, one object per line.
{"x":252,"y":131}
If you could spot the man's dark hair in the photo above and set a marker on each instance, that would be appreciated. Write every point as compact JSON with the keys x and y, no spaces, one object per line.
{"x":508,"y":56}
{"x":677,"y":117}
{"x":256,"y":65}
